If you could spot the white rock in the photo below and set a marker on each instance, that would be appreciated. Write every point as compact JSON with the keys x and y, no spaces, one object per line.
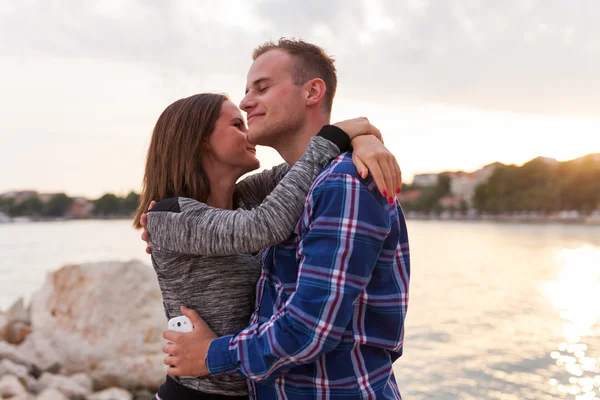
{"x":51,"y":394}
{"x":8,"y":367}
{"x":110,"y":394}
{"x":40,"y":350}
{"x":76,"y":385}
{"x":23,"y":396}
{"x":105,"y":319}
{"x":15,"y":354}
{"x":18,"y":312}
{"x":11,"y":386}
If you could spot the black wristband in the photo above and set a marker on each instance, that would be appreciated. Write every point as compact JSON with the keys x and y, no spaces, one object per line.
{"x":337,"y":136}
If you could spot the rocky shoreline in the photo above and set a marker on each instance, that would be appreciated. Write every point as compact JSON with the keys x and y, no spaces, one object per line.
{"x":91,"y":332}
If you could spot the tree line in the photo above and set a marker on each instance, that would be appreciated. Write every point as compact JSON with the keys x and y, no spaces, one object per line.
{"x":542,"y":186}
{"x":536,"y":186}
{"x":60,"y":206}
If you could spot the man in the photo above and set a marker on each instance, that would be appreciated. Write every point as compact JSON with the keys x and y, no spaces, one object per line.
{"x":332,"y":299}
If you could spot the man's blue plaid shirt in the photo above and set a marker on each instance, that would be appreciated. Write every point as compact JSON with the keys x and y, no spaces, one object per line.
{"x":331,"y":300}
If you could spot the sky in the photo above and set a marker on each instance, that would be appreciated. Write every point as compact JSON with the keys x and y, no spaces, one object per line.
{"x":452,"y":85}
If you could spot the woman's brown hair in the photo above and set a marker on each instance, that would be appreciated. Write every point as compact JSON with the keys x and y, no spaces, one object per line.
{"x":174,"y":160}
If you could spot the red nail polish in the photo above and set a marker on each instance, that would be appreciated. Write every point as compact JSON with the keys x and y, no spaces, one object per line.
{"x":398,"y":191}
{"x":391,"y":200}
{"x":385,"y":193}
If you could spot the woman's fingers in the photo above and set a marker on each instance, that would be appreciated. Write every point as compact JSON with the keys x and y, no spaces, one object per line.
{"x":370,"y":155}
{"x":362,"y":169}
{"x":389,"y":177}
{"x":398,"y":176}
{"x":379,"y":178}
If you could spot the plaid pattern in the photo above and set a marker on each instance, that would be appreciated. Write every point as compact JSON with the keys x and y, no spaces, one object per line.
{"x":331,"y":300}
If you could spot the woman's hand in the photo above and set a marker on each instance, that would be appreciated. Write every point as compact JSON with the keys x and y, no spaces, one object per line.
{"x":370,"y":155}
{"x":358,"y":126}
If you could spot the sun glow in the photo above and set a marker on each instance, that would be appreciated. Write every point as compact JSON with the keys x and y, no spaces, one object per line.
{"x":576,"y":295}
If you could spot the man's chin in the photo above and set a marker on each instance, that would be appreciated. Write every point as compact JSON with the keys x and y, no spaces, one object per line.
{"x":257,"y":133}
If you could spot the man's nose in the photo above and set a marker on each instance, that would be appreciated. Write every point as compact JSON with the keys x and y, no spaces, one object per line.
{"x":247,"y":103}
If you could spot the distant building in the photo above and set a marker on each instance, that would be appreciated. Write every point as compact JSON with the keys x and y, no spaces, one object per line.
{"x":425,"y":180}
{"x":46,"y":197}
{"x":463,"y":184}
{"x":81,"y":208}
{"x":19,"y":196}
{"x":410,"y":195}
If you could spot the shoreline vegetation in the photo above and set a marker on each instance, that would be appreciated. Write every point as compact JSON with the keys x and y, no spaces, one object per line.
{"x":541,"y":190}
{"x":524,"y":218}
{"x":560,"y":218}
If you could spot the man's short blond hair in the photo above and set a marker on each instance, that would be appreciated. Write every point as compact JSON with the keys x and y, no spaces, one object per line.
{"x":310,"y":62}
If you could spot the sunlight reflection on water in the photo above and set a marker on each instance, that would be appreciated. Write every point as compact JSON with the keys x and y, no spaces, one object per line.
{"x":576,"y":295}
{"x":494,"y":307}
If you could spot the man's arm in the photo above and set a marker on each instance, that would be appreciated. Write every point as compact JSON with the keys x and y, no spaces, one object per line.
{"x":346,"y":233}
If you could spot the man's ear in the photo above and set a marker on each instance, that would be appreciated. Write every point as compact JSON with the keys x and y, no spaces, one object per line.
{"x":315,"y":91}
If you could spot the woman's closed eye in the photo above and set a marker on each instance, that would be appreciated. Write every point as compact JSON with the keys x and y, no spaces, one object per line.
{"x":238,"y":123}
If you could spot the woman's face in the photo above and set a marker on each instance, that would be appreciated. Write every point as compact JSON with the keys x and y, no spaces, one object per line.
{"x":228,"y":144}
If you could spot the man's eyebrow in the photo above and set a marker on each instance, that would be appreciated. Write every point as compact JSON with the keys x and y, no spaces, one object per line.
{"x":257,"y":82}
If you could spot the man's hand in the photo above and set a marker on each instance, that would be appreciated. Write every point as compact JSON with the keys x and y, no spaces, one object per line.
{"x":144,"y":222}
{"x":370,"y":155}
{"x":187,"y":351}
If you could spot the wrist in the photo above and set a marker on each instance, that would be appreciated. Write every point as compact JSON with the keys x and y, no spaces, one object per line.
{"x":337,"y":136}
{"x":366,"y":136}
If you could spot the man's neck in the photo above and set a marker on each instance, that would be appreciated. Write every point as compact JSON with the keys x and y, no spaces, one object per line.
{"x":295,"y":145}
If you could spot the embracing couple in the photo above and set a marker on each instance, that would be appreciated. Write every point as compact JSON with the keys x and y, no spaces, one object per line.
{"x":296,"y":278}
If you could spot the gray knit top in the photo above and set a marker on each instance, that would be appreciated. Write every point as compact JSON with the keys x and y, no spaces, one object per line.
{"x":202,"y":255}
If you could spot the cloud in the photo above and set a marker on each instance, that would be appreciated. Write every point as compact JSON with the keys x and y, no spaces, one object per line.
{"x":522,"y":56}
{"x":168,"y":35}
{"x":534,"y":56}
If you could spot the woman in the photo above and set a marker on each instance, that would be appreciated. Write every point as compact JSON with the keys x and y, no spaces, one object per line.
{"x":198,"y":152}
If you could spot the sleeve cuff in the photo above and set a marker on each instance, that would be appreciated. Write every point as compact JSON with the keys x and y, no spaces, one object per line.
{"x":220,"y":359}
{"x":337,"y":136}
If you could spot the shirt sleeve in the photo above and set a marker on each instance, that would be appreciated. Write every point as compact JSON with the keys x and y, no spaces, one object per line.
{"x":254,"y":189}
{"x":337,"y":254}
{"x":192,"y":227}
